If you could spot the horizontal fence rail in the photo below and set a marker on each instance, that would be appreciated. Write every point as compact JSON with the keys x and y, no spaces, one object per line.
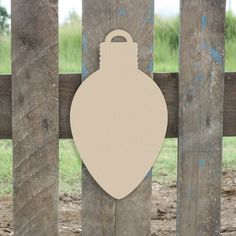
{"x":168,"y":82}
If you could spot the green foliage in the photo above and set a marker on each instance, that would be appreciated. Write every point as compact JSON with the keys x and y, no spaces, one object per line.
{"x":229,"y":153}
{"x":167,"y":30}
{"x":70,"y":167}
{"x":5,"y":167}
{"x":164,"y":170}
{"x":4,"y":17}
{"x":5,"y":54}
{"x":166,"y":41}
{"x":70,"y":42}
{"x":230,"y":54}
{"x":230,"y":26}
{"x":165,"y":49}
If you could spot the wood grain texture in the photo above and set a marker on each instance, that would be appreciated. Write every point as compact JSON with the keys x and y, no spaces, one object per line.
{"x":168,"y":82}
{"x":133,"y":216}
{"x":35,"y":117}
{"x":229,"y":113}
{"x":5,"y":107}
{"x":101,"y":214}
{"x":68,"y":85}
{"x":201,"y":90}
{"x":98,"y":208}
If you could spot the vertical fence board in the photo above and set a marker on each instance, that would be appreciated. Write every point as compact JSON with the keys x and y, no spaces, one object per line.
{"x":35,"y":114}
{"x":101,"y":214}
{"x":133,"y":215}
{"x":201,"y":88}
{"x":98,"y":208}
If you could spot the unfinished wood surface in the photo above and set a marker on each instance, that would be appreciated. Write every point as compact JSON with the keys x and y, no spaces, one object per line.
{"x":101,"y":214}
{"x":133,"y":215}
{"x":5,"y":107}
{"x":201,"y":89}
{"x":98,"y":209}
{"x":35,"y":117}
{"x":168,"y":82}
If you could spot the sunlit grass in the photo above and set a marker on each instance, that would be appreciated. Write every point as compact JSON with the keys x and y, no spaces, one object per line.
{"x":164,"y":170}
{"x":5,"y":166}
{"x":70,"y":47}
{"x":70,"y":167}
{"x":5,"y":54}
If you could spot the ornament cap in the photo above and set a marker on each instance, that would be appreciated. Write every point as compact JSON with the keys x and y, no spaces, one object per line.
{"x":118,"y":55}
{"x":121,"y":33}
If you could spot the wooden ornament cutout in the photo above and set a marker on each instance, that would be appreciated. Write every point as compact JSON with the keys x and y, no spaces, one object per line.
{"x":118,"y":119}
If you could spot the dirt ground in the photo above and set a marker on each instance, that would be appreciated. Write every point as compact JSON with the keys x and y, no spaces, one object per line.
{"x":163,"y":211}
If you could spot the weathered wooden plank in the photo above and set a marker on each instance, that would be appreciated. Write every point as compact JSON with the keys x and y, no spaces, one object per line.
{"x":98,"y":208}
{"x":35,"y":117}
{"x":201,"y":90}
{"x":168,"y":82}
{"x":133,"y":215}
{"x":68,"y":84}
{"x":101,"y":214}
{"x":229,"y":114}
{"x":5,"y":107}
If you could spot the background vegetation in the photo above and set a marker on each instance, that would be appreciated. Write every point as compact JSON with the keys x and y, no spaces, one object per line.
{"x":166,"y":60}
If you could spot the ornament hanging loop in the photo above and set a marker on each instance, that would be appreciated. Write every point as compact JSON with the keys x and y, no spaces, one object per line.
{"x":120,"y":56}
{"x":117,"y":33}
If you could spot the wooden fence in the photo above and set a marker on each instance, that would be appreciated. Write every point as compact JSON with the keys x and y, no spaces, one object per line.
{"x":201,"y":104}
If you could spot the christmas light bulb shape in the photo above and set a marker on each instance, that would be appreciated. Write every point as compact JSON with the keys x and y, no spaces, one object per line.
{"x":118,"y":119}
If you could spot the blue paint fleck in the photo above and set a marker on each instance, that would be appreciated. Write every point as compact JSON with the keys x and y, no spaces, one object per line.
{"x":121,"y":12}
{"x":199,"y":77}
{"x":85,"y":42}
{"x":151,"y":19}
{"x":204,"y":23}
{"x":202,"y":163}
{"x":204,"y":46}
{"x":150,"y":66}
{"x":84,"y":71}
{"x":196,"y":65}
{"x":216,"y":56}
{"x":151,"y":49}
{"x":150,"y":15}
{"x":149,"y":173}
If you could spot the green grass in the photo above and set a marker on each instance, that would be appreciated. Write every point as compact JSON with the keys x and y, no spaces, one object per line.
{"x":5,"y":167}
{"x":166,"y":44}
{"x":5,"y":54}
{"x":165,"y":50}
{"x":164,"y":170}
{"x":230,"y":52}
{"x":229,"y":153}
{"x":70,"y":47}
{"x":166,"y":60}
{"x":70,"y":167}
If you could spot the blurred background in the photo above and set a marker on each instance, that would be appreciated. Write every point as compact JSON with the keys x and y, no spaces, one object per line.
{"x":165,"y":60}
